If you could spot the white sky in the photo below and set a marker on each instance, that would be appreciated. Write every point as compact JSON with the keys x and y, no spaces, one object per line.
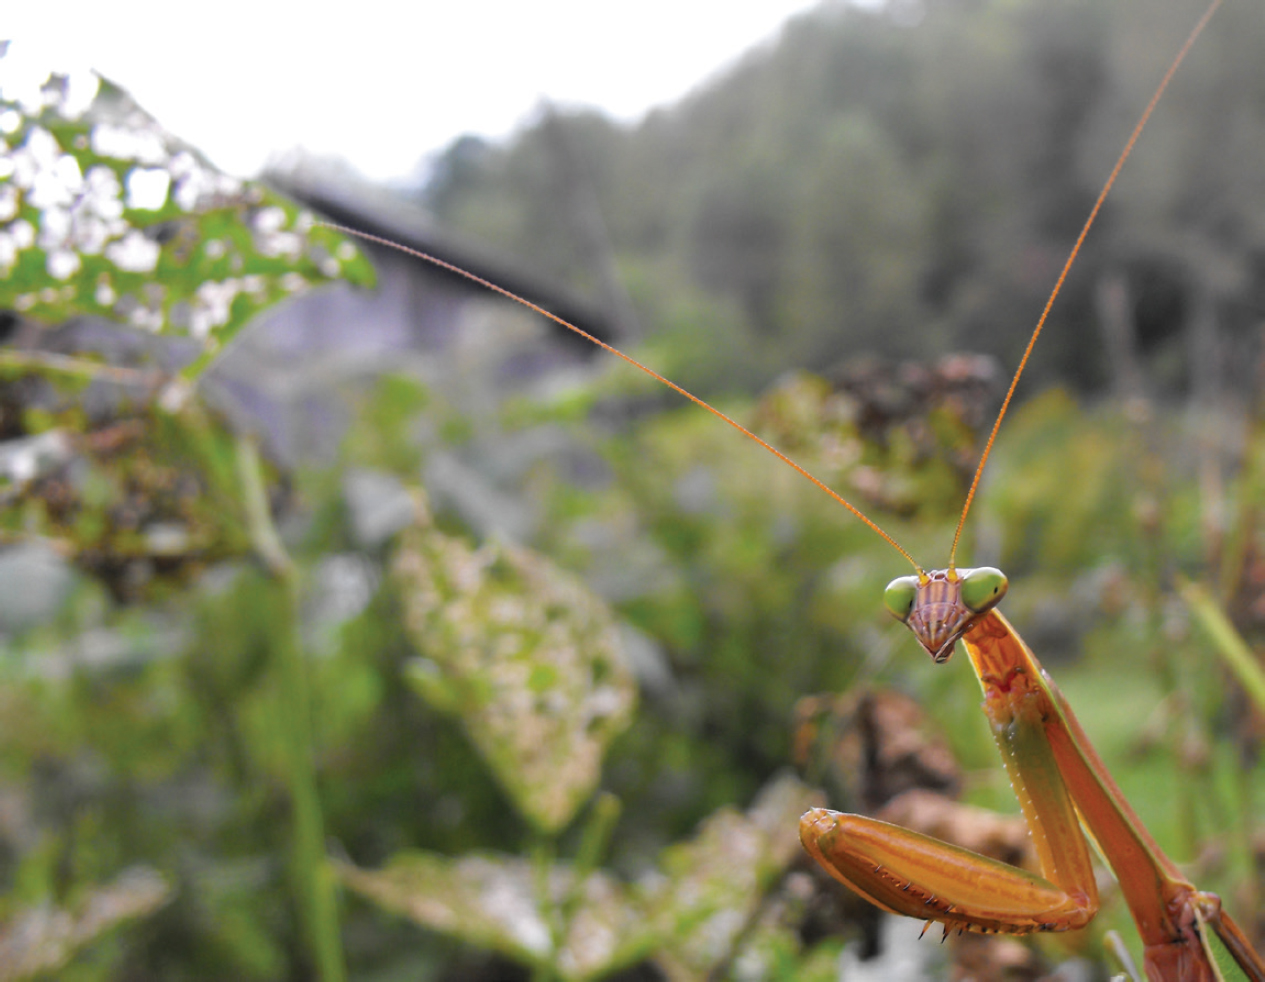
{"x":382,"y":84}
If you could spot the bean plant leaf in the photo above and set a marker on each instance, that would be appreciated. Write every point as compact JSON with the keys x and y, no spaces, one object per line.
{"x":40,"y":940}
{"x":103,"y":212}
{"x":773,"y":946}
{"x":688,"y":916}
{"x":710,"y":887}
{"x":495,"y":902}
{"x":526,"y":657}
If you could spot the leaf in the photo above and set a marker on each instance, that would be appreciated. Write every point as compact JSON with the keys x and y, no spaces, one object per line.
{"x":495,"y":902}
{"x":143,"y":496}
{"x":688,"y":916}
{"x":526,"y":657}
{"x":103,"y":212}
{"x":1219,"y":938}
{"x":711,"y":886}
{"x":45,"y":938}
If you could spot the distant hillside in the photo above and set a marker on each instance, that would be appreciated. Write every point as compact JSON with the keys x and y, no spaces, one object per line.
{"x":907,"y":181}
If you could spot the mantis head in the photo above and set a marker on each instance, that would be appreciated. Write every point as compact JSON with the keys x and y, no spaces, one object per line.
{"x":940,"y":606}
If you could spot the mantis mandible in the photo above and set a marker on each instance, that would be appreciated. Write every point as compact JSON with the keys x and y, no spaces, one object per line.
{"x":1058,"y":777}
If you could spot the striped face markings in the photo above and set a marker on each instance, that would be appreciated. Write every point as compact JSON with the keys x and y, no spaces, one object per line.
{"x":940,"y":606}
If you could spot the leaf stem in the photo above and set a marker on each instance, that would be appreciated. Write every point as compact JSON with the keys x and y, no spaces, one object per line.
{"x":314,"y":882}
{"x":1229,"y":644}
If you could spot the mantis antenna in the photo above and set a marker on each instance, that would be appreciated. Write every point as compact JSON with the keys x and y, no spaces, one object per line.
{"x":1076,"y":248}
{"x":488,"y":285}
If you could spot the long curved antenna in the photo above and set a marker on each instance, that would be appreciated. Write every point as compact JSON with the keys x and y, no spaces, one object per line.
{"x":488,"y":285}
{"x":1080,"y":239}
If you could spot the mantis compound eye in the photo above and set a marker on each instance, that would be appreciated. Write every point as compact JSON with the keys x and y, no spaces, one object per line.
{"x":983,"y":587}
{"x":899,"y":596}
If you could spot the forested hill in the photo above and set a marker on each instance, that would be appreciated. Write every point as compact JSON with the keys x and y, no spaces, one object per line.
{"x":907,"y":181}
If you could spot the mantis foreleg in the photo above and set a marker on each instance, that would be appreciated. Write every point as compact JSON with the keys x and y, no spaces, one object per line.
{"x":913,"y":874}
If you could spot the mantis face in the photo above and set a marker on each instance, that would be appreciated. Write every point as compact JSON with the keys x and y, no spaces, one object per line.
{"x":940,"y":606}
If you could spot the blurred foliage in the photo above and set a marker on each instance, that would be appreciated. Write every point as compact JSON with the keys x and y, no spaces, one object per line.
{"x":45,"y":938}
{"x":140,"y":498}
{"x":563,"y":756}
{"x":686,"y":916}
{"x":755,"y":593}
{"x":141,"y":491}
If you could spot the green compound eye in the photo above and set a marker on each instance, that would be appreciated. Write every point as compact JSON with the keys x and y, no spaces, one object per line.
{"x":899,"y":596}
{"x":983,"y":587}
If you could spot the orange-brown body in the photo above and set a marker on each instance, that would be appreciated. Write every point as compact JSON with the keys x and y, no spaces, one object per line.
{"x":1059,"y":781}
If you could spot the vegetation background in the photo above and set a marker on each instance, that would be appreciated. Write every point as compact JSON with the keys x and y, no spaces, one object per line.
{"x":507,"y":681}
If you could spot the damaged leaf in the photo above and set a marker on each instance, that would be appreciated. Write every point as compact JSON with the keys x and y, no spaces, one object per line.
{"x":529,"y":659}
{"x":710,"y":887}
{"x":688,"y":916}
{"x":495,"y":902}
{"x":40,"y":940}
{"x":103,"y":212}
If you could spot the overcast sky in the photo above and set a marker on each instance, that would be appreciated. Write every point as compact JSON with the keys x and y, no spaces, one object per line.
{"x":383,"y":84}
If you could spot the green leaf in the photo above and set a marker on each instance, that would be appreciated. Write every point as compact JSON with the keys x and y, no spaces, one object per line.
{"x":714,"y":882}
{"x":688,"y":916}
{"x":495,"y":902}
{"x":40,"y":940}
{"x":103,"y":212}
{"x":525,"y":656}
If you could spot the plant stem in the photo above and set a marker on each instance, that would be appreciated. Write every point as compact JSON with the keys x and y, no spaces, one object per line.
{"x":312,"y":877}
{"x":544,"y":851}
{"x":1227,"y":641}
{"x":50,"y":362}
{"x":588,"y":857}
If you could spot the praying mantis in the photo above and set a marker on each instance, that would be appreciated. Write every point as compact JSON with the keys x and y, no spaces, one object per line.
{"x":1058,"y":777}
{"x":1056,"y":774}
